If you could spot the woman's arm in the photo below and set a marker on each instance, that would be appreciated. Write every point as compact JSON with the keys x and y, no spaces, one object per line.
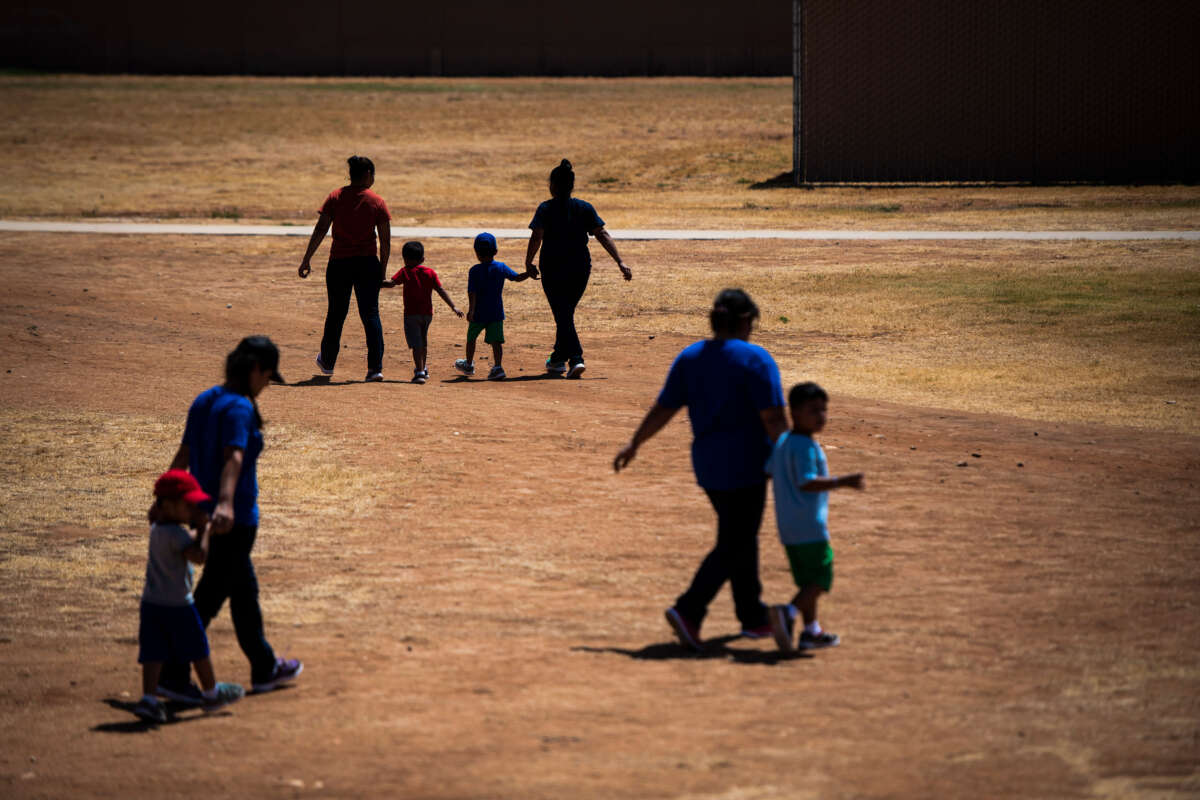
{"x":314,"y":241}
{"x":222,"y":517}
{"x":535,"y":243}
{"x":606,"y":241}
{"x":655,"y":419}
{"x":385,"y":245}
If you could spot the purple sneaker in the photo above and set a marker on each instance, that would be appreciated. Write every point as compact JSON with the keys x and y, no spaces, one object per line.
{"x":286,"y":670}
{"x":688,"y":632}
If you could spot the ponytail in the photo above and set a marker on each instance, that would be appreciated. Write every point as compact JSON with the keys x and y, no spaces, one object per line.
{"x":562,"y":180}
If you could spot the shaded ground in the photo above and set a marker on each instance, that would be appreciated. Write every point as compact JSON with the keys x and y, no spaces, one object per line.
{"x":478,"y":599}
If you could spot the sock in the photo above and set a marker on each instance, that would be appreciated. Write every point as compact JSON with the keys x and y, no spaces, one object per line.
{"x":210,"y":694}
{"x":814,"y":629}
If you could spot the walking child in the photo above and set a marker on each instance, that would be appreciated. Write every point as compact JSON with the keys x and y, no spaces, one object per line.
{"x":802,"y":484}
{"x":420,"y":282}
{"x":170,"y":628}
{"x":485,"y":314}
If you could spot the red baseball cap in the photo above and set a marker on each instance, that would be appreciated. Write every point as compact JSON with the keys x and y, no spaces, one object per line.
{"x":179,"y":483}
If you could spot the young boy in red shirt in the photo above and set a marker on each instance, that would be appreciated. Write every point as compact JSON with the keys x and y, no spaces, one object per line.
{"x":420,"y":282}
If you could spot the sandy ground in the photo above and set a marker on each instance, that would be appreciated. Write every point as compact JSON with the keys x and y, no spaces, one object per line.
{"x":478,"y":599}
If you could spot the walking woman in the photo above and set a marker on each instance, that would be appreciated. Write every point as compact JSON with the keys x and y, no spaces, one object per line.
{"x":561,"y":226}
{"x":356,"y":213}
{"x":220,"y":447}
{"x":734,"y":399}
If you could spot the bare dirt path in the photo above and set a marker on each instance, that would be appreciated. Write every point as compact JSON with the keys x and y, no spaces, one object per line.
{"x":478,"y":598}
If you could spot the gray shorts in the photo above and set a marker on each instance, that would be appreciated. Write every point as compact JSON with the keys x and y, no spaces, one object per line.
{"x":416,"y":330}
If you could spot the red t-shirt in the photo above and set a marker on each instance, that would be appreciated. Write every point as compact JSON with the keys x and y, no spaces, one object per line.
{"x":355,"y":214}
{"x":419,"y":283}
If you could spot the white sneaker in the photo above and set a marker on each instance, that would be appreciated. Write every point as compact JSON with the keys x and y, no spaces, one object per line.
{"x":419,"y":376}
{"x":464,"y":366}
{"x":576,"y":370}
{"x":374,"y":377}
{"x":496,"y":374}
{"x":321,"y":366}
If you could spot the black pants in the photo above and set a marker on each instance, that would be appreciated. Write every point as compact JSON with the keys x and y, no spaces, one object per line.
{"x":564,"y":287}
{"x":229,"y":573}
{"x":734,"y":558}
{"x":361,"y":275}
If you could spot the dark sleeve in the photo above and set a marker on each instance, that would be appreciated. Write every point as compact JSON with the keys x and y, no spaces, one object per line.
{"x":674,"y":391}
{"x":766,"y":387}
{"x":238,"y":425}
{"x":539,"y":218}
{"x":473,"y":281}
{"x":509,"y":274}
{"x":591,"y":218}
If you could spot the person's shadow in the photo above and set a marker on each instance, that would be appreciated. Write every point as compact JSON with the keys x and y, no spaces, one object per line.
{"x":711,"y":648}
{"x":139,"y":725}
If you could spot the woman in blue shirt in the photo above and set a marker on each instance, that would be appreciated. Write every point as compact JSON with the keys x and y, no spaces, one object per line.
{"x":561,"y":226}
{"x":220,"y":447}
{"x":735,"y":403}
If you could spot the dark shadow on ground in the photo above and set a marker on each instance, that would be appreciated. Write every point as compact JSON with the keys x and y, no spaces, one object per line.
{"x":713,"y":648}
{"x":482,"y":378}
{"x":138,"y":725}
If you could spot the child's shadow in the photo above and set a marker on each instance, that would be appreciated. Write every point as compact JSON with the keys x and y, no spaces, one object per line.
{"x":712,"y":648}
{"x":537,"y":376}
{"x":138,"y":725}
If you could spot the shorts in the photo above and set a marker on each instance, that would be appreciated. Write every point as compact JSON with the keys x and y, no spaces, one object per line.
{"x":812,"y":564}
{"x":416,"y":330}
{"x":171,"y":633}
{"x":494,"y":335}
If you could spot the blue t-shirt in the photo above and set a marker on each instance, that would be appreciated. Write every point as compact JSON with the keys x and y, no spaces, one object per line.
{"x":566,"y":226}
{"x":221,"y":418}
{"x":802,"y":517}
{"x":487,"y":282}
{"x":725,"y":383}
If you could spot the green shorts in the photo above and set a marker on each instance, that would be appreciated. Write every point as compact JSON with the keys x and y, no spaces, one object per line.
{"x":494,"y":334}
{"x":812,"y":563}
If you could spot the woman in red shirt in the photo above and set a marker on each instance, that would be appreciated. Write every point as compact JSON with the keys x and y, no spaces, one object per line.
{"x":356,"y":213}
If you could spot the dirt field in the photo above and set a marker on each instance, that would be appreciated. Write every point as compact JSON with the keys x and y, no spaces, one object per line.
{"x":476,"y":596}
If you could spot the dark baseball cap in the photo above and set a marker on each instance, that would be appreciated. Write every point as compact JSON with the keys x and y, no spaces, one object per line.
{"x":264,"y":352}
{"x":486,"y":242}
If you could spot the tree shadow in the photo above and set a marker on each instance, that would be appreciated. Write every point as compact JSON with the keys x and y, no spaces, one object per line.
{"x":712,"y":648}
{"x":139,"y":725}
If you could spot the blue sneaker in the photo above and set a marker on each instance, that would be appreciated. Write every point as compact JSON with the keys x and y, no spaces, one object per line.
{"x":321,"y":366}
{"x":151,"y":710}
{"x":226,"y":693}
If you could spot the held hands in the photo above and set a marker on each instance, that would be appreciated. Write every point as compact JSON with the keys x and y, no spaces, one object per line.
{"x":305,"y":269}
{"x":386,"y":284}
{"x":222,"y":517}
{"x":470,"y":316}
{"x":531,"y":270}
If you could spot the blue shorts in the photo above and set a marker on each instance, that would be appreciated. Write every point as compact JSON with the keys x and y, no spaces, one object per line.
{"x":171,"y":633}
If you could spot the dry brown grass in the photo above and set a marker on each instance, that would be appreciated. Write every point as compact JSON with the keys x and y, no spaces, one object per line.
{"x":650,"y":152}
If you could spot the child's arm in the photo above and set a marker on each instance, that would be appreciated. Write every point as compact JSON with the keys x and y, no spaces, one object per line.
{"x":470,"y":306}
{"x":442,"y":294}
{"x":854,"y":481}
{"x":197,"y":553}
{"x":523,"y":276}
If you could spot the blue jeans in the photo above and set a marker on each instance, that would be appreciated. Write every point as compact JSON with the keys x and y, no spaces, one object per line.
{"x":734,"y":558}
{"x":229,"y":573}
{"x":361,"y":275}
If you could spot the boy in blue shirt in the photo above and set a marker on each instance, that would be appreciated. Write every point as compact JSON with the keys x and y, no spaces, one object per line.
{"x":485,"y":314}
{"x":802,"y":484}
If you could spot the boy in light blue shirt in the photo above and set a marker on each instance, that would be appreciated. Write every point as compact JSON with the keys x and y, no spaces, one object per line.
{"x":802,"y":483}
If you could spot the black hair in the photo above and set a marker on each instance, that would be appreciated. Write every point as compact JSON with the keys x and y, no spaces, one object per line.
{"x":802,"y":393}
{"x":413,"y":251}
{"x":253,"y":351}
{"x":729,"y":309}
{"x":562,"y":180}
{"x":360,"y":166}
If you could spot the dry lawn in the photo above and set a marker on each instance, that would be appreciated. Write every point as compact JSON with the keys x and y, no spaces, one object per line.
{"x":476,"y":596}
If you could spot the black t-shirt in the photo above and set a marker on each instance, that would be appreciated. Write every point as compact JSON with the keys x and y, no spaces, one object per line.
{"x":566,"y":225}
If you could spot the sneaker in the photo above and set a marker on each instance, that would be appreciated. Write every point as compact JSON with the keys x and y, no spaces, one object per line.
{"x":189,"y":694}
{"x":781,"y":622}
{"x":321,"y":366}
{"x":464,"y":366}
{"x":815,"y":641}
{"x":689,"y":634}
{"x":556,"y":367}
{"x":286,"y":669}
{"x":419,"y":376}
{"x":761,"y":632}
{"x":497,"y":373}
{"x":374,"y":377}
{"x":226,"y":693}
{"x":150,"y":710}
{"x":576,"y":370}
